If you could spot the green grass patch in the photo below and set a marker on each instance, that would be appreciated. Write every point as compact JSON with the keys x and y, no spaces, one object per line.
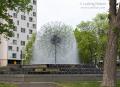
{"x":7,"y":85}
{"x":83,"y":84}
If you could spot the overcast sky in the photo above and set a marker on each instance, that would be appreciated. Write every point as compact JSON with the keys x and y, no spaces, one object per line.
{"x":71,"y":12}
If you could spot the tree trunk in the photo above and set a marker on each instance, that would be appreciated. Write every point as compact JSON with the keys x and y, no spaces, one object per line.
{"x":109,"y":76}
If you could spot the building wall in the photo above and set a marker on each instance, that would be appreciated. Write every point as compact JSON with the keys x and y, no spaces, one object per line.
{"x":26,"y":24}
{"x":3,"y":51}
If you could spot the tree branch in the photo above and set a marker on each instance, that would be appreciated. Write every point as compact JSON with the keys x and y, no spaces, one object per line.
{"x":118,"y":14}
{"x":112,"y":9}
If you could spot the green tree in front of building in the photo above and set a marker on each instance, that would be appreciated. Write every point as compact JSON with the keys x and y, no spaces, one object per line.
{"x":6,"y":22}
{"x":29,"y":50}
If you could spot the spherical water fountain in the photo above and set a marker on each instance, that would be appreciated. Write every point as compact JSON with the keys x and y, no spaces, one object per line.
{"x":55,"y":44}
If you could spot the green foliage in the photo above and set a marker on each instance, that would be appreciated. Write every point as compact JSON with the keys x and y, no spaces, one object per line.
{"x":101,"y":28}
{"x":100,"y":22}
{"x":88,"y":25}
{"x":6,"y":23}
{"x":28,"y":50}
{"x":87,"y":45}
{"x":7,"y":85}
{"x":91,"y":37}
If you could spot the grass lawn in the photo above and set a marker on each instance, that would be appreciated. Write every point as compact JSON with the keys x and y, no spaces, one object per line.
{"x":7,"y":85}
{"x":82,"y":84}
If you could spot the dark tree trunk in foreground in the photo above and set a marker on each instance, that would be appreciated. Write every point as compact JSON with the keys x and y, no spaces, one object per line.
{"x":109,"y":74}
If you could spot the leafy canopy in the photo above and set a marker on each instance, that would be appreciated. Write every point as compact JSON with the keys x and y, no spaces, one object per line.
{"x":6,"y":23}
{"x":91,"y":38}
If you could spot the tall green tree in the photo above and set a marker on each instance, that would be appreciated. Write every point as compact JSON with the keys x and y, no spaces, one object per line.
{"x":6,"y":23}
{"x":87,"y":45}
{"x":100,"y":22}
{"x":29,"y":50}
{"x":92,"y":35}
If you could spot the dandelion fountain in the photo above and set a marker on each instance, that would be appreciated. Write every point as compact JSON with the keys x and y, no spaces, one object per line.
{"x":55,"y":44}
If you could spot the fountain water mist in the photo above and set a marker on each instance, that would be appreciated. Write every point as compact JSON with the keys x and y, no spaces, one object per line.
{"x":55,"y":44}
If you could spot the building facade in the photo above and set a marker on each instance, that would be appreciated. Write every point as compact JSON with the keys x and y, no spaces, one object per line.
{"x":12,"y":49}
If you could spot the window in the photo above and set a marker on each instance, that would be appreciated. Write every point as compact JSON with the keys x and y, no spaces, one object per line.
{"x":30,"y":31}
{"x":15,"y":29}
{"x":11,"y":21}
{"x":34,"y":2}
{"x":17,"y":35}
{"x":27,"y":24}
{"x":15,"y":15}
{"x":10,"y":48}
{"x":30,"y":19}
{"x":23,"y":43}
{"x":34,"y":25}
{"x":27,"y":37}
{"x":18,"y":22}
{"x":13,"y":35}
{"x":14,"y":55}
{"x":23,"y":17}
{"x":32,"y":7}
{"x":17,"y":48}
{"x":14,"y":42}
{"x":21,"y":55}
{"x":34,"y":14}
{"x":23,"y":30}
{"x":0,"y":41}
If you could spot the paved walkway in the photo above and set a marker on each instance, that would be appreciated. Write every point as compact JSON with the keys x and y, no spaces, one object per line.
{"x":36,"y":84}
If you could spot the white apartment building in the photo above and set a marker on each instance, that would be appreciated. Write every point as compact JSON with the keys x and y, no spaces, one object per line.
{"x":11,"y":50}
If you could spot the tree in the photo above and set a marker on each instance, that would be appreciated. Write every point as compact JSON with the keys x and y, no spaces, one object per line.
{"x":6,"y":23}
{"x":100,"y":22}
{"x":109,"y":75}
{"x":87,"y":44}
{"x":29,"y":49}
{"x":92,"y":35}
